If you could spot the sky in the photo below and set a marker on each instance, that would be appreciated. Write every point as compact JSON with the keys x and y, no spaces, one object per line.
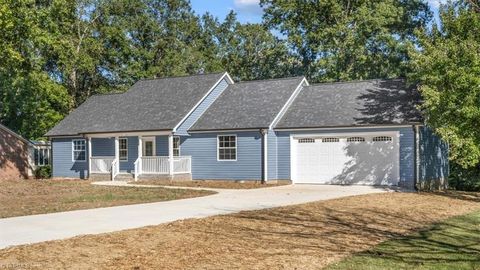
{"x":250,"y":11}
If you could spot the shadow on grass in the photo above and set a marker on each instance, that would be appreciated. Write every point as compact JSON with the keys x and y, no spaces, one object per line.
{"x":337,"y":232}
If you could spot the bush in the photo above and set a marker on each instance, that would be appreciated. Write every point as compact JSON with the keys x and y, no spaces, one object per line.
{"x":464,"y":179}
{"x":43,"y":172}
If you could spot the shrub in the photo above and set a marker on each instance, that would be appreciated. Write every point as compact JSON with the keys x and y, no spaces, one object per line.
{"x":464,"y":179}
{"x":43,"y":172}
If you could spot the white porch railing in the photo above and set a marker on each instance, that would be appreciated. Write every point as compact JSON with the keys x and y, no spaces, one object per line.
{"x":101,"y":164}
{"x":161,"y":165}
{"x":138,"y":168}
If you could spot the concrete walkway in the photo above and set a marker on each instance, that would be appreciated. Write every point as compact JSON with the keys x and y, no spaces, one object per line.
{"x":39,"y":228}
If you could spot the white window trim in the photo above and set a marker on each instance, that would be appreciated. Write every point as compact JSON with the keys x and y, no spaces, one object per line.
{"x":218,"y":147}
{"x":73,"y":150}
{"x":122,"y":160}
{"x":149,"y":139}
{"x":36,"y":160}
{"x":179,"y":143}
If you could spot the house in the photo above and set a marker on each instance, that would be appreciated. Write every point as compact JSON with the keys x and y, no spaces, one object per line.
{"x":20,"y":157}
{"x":210,"y":127}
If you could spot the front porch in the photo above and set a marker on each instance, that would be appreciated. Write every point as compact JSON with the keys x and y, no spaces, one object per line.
{"x":141,"y":156}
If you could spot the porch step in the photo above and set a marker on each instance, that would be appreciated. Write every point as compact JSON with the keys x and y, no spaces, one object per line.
{"x":124,"y":177}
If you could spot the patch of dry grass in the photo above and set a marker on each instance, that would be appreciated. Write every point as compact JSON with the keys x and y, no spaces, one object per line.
{"x":211,"y":184}
{"x":307,"y":236}
{"x":30,"y":197}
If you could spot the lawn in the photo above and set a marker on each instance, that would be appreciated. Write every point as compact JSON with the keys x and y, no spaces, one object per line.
{"x":29,"y":197}
{"x":453,"y":244}
{"x":211,"y":184}
{"x":307,"y":236}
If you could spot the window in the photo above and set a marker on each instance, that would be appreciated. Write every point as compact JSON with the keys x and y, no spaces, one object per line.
{"x":382,"y":139}
{"x":123,"y":149}
{"x":330,"y":140}
{"x":227,"y":147}
{"x":355,"y":139}
{"x":41,"y":156}
{"x":306,"y":140}
{"x":176,"y":146}
{"x":79,"y":150}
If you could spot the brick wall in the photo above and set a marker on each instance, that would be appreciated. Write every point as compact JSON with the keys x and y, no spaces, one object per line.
{"x":13,"y":157}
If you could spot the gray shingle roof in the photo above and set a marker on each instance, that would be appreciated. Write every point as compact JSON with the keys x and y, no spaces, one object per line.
{"x":247,"y":105}
{"x":157,"y":104}
{"x":374,"y":102}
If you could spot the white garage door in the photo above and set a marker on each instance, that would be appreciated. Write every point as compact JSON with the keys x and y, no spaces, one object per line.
{"x":366,"y":159}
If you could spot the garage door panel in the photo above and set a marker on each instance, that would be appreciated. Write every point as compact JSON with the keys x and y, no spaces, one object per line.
{"x":344,"y":162}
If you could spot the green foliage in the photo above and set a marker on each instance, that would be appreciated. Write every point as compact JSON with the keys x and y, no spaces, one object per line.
{"x":448,"y":68}
{"x":464,"y":179}
{"x":43,"y":172}
{"x":345,"y":40}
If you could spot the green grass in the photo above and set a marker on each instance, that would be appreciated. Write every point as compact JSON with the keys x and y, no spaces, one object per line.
{"x":452,"y":244}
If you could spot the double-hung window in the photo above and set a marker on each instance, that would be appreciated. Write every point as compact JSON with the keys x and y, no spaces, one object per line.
{"x":227,"y":147}
{"x":79,"y":150}
{"x":123,"y":149}
{"x":176,"y":146}
{"x":41,"y":156}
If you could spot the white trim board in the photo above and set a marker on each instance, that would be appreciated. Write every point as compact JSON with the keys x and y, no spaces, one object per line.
{"x":229,"y":80}
{"x":289,"y":102}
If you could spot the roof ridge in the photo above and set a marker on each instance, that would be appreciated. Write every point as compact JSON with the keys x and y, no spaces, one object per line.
{"x":180,"y":76}
{"x":356,"y":81}
{"x":272,"y":79}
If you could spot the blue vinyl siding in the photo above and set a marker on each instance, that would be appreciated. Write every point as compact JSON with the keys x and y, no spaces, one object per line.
{"x":202,"y":107}
{"x":62,"y":164}
{"x":433,"y":156}
{"x":161,"y":144}
{"x":203,"y":149}
{"x":272,"y":155}
{"x":103,"y":147}
{"x":406,"y":153}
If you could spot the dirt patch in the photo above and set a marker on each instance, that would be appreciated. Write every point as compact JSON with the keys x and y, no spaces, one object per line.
{"x":29,"y":197}
{"x":307,"y":236}
{"x":211,"y":184}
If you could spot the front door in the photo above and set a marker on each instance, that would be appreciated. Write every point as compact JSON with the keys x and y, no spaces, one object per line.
{"x":148,"y":147}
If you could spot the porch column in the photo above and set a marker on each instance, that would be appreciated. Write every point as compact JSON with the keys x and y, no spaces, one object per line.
{"x":170,"y":154}
{"x":89,"y":156}
{"x":117,"y":155}
{"x":140,"y":154}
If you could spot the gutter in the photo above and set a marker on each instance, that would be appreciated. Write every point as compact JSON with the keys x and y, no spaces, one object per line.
{"x":264,"y":133}
{"x":416,"y":159}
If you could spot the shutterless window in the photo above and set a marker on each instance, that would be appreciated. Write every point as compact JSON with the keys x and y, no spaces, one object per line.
{"x":382,"y":139}
{"x":41,"y":156}
{"x":327,"y":140}
{"x":176,"y":146}
{"x":306,"y":140}
{"x":79,"y":150}
{"x":355,"y":139}
{"x":123,"y":149}
{"x":227,"y":147}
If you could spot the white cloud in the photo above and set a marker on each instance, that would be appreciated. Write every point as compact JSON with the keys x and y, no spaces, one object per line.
{"x":248,"y":6}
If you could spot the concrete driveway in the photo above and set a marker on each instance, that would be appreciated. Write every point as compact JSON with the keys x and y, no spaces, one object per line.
{"x":39,"y":228}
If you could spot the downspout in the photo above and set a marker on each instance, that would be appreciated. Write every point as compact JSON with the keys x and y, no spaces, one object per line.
{"x":264,"y":133}
{"x":416,"y":157}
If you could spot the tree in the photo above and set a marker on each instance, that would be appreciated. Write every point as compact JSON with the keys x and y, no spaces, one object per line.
{"x":344,"y":39}
{"x":448,"y":68}
{"x":248,"y":51}
{"x":31,"y":101}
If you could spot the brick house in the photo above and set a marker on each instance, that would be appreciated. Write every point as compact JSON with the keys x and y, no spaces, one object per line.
{"x":20,"y":157}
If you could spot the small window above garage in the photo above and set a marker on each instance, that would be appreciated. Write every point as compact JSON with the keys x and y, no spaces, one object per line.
{"x":306,"y":140}
{"x":355,"y":139}
{"x":382,"y":139}
{"x":327,"y":140}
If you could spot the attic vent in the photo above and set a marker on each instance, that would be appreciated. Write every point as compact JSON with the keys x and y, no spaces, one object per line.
{"x":382,"y":139}
{"x":330,"y":140}
{"x":306,"y":140}
{"x":355,"y":139}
